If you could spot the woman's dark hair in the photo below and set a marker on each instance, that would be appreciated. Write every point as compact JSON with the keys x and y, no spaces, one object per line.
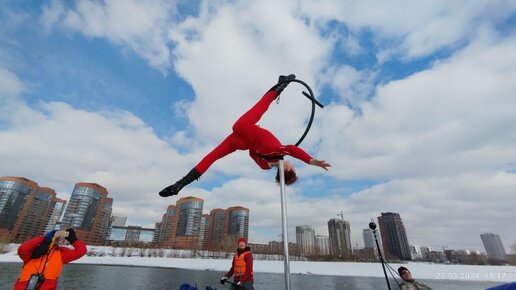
{"x":290,"y":176}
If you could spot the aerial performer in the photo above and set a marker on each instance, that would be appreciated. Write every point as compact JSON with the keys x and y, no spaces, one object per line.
{"x":264,"y":148}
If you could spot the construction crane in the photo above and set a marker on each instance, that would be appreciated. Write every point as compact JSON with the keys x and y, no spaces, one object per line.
{"x":341,"y":214}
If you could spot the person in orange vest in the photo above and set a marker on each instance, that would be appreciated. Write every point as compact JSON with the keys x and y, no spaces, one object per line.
{"x":43,"y":259}
{"x":241,"y":268}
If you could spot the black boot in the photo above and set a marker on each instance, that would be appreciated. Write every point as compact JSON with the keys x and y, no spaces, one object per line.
{"x":176,"y":187}
{"x":281,"y":86}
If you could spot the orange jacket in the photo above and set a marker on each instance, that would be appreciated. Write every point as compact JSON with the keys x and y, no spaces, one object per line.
{"x":242,"y":267}
{"x":57,"y":257}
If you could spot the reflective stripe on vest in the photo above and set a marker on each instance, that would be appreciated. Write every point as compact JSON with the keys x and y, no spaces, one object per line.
{"x":52,"y":270}
{"x":239,"y":264}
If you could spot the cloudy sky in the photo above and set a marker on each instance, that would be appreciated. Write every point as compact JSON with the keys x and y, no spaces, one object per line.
{"x":419,"y":113}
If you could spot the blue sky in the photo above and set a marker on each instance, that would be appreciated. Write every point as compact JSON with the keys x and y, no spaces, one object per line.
{"x":418,"y":117}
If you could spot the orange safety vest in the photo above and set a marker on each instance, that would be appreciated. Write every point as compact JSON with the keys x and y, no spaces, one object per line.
{"x":52,"y":270}
{"x":239,"y":265}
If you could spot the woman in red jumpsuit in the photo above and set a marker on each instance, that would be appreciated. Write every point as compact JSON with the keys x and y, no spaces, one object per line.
{"x":264,"y":148}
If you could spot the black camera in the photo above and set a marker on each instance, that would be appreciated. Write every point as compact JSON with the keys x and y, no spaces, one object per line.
{"x":35,"y":281}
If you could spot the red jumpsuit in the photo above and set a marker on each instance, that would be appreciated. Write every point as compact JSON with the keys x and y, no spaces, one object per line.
{"x":247,"y":135}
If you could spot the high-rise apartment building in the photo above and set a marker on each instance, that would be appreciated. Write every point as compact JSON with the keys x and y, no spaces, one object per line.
{"x":322,"y":245}
{"x":394,"y":236}
{"x":415,"y":252}
{"x":89,"y":212}
{"x":204,"y":231}
{"x":189,"y":222}
{"x":305,"y":238}
{"x":217,"y":228}
{"x":56,"y":214}
{"x":25,"y":208}
{"x":425,"y":252}
{"x":226,"y":226}
{"x":185,"y":227}
{"x":238,"y":221}
{"x":163,"y":234}
{"x":494,"y":246}
{"x":368,"y":236}
{"x":180,"y":227}
{"x":340,"y":238}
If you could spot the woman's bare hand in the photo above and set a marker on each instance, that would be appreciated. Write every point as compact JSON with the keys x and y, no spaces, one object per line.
{"x":321,"y":163}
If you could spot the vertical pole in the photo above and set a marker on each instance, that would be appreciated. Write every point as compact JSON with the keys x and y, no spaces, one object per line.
{"x":372,"y":226}
{"x":286,"y":262}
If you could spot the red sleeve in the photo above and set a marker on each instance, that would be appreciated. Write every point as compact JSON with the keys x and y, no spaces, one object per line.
{"x":297,"y":152}
{"x":248,"y":268}
{"x":232,"y":270}
{"x":25,"y":249}
{"x":68,"y":255}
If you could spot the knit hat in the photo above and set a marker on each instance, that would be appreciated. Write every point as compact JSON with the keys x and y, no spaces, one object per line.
{"x":401,"y":269}
{"x":242,"y":239}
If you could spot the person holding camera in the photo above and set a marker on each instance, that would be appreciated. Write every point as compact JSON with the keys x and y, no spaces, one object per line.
{"x":43,"y":259}
{"x":241,"y":268}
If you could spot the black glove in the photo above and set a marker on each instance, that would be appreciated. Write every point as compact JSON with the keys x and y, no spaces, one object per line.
{"x":223,"y":280}
{"x":72,"y":238}
{"x":281,"y":86}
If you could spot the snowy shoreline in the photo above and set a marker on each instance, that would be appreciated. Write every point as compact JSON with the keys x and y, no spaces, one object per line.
{"x":420,"y":270}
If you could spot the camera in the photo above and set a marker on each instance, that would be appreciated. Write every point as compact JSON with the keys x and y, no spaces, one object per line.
{"x":35,"y":281}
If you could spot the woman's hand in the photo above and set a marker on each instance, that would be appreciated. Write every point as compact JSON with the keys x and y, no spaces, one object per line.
{"x":321,"y":163}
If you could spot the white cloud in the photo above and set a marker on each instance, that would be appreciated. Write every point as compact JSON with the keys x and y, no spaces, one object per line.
{"x":353,"y":86}
{"x":351,"y":45}
{"x":10,"y":84}
{"x":52,"y":13}
{"x":138,"y":25}
{"x":419,"y":28}
{"x":60,"y":145}
{"x":453,"y":118}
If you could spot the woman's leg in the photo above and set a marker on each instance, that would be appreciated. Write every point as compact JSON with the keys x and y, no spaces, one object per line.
{"x":229,"y":145}
{"x":253,"y":115}
{"x":226,"y":147}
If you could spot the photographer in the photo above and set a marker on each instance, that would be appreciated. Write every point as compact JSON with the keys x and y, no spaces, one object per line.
{"x":43,"y":259}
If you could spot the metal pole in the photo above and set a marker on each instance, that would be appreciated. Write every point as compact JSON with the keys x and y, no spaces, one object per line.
{"x":372,"y":226}
{"x":286,"y":261}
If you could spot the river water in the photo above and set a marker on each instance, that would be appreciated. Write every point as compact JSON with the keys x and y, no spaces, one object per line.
{"x":77,"y":276}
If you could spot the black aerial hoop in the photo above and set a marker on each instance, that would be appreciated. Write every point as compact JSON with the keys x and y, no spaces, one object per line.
{"x":312,"y":98}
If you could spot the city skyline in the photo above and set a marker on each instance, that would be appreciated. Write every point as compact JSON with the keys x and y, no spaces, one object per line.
{"x":88,"y":188}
